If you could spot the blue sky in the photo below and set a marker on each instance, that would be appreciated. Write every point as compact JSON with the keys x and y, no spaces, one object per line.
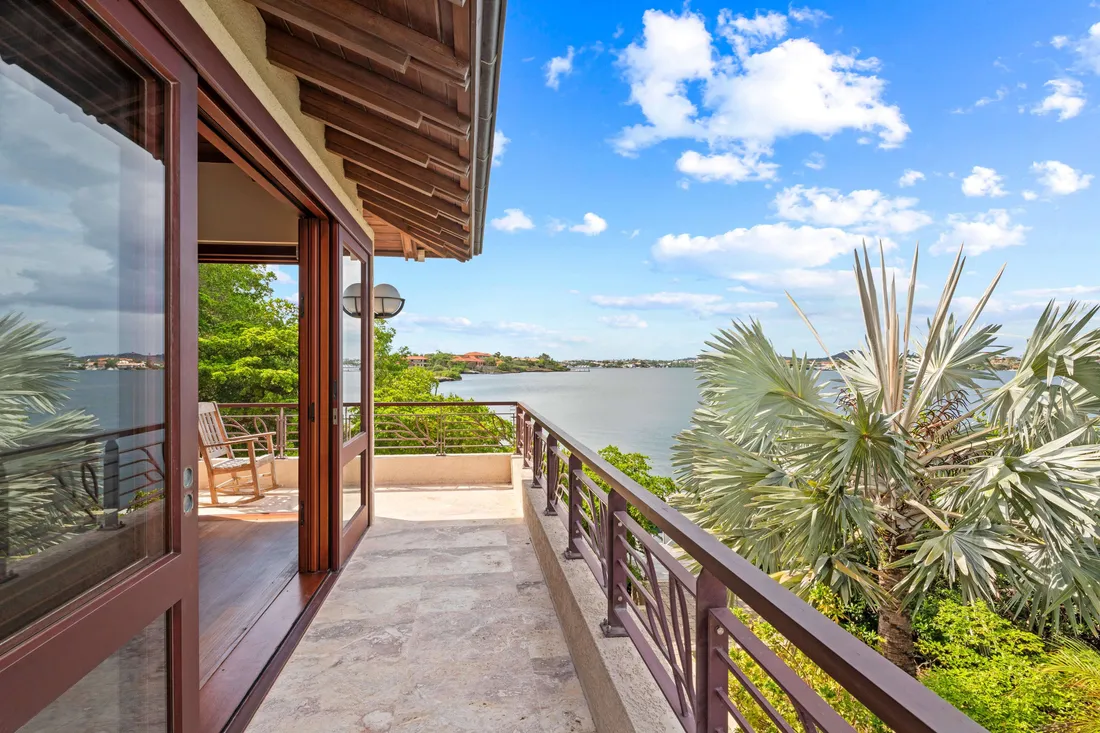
{"x":668,"y":168}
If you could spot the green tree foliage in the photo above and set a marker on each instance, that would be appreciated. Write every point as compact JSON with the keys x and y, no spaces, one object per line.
{"x":886,"y":483}
{"x":389,"y":363}
{"x":638,"y":468}
{"x":233,"y":297}
{"x":248,"y":338}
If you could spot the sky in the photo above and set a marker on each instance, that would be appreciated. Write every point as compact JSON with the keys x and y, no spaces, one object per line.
{"x":661,"y":170}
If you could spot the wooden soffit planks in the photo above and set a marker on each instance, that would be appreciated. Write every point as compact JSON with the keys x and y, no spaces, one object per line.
{"x":396,"y":85}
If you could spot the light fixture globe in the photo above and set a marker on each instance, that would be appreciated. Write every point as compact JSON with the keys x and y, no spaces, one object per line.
{"x":387,"y":301}
{"x":352,"y":301}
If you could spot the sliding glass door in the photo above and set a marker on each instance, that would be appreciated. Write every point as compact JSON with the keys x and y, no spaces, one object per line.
{"x":355,"y":392}
{"x":98,"y":555}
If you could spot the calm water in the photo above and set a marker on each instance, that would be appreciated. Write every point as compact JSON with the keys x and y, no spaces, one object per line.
{"x":636,"y":409}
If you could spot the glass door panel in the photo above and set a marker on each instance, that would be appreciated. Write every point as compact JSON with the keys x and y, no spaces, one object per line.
{"x":356,"y":316}
{"x":83,"y":203}
{"x":126,"y":693}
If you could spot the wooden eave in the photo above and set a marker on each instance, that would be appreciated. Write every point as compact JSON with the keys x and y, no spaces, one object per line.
{"x":407,"y":92}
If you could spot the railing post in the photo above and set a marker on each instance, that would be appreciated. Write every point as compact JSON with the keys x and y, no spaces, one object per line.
{"x":711,"y":674}
{"x":572,"y":551}
{"x":517,"y":421}
{"x":440,"y":440}
{"x":615,"y":561}
{"x":280,"y":433}
{"x":551,"y":475}
{"x":536,"y":455}
{"x":110,"y":485}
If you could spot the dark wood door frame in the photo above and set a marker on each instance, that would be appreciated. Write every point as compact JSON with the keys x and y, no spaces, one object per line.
{"x":78,"y":636}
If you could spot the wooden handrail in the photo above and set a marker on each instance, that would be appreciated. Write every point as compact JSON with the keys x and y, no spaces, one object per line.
{"x":899,"y":700}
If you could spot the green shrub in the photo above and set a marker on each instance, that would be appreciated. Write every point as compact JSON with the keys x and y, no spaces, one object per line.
{"x":987,"y":667}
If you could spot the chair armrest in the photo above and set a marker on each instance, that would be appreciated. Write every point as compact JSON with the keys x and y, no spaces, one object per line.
{"x":253,"y":436}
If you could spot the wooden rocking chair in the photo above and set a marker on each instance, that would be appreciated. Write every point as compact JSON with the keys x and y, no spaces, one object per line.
{"x":217,"y":453}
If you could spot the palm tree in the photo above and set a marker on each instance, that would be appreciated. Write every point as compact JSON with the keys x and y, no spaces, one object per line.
{"x":916,"y":466}
{"x":1079,"y":665}
{"x":42,"y":499}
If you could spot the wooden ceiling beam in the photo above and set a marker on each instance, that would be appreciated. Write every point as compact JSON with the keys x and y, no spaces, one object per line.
{"x":356,"y":82}
{"x":413,"y":199}
{"x":382,"y":205}
{"x":338,"y":31}
{"x":430,"y":51}
{"x":408,"y":248}
{"x":380,"y":132}
{"x":360,"y":156}
{"x":442,"y":245}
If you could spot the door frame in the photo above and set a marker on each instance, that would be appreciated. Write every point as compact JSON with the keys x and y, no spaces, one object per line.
{"x":346,"y":537}
{"x":76,"y":637}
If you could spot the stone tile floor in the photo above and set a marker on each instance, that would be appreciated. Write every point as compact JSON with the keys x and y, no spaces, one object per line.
{"x":440,"y":622}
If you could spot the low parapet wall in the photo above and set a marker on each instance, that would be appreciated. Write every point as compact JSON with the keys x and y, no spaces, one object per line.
{"x":473,"y":469}
{"x":621,"y":693}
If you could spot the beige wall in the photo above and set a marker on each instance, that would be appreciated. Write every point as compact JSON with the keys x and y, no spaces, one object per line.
{"x":234,"y":208}
{"x":238,"y":30}
{"x":463,"y":470}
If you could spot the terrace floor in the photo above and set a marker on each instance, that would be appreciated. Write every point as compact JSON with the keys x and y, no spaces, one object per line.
{"x":441,"y":621}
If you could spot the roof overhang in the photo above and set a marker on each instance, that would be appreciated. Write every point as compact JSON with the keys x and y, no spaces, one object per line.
{"x":407,"y":93}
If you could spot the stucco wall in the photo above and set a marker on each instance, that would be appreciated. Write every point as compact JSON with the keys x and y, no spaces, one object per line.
{"x":238,"y":30}
{"x":463,"y":470}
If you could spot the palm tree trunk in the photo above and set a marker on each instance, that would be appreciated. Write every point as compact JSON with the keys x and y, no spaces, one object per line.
{"x":894,"y":625}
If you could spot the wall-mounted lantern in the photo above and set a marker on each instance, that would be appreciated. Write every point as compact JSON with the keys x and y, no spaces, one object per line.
{"x":387,"y":301}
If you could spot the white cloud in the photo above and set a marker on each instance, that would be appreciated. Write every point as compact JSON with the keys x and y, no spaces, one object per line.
{"x":633,"y":234}
{"x":747,"y":33}
{"x":558,"y":67}
{"x":1060,"y":179}
{"x":516,"y":329}
{"x":806,"y":246}
{"x":1085,"y":48}
{"x":556,"y":225}
{"x":446,"y":323}
{"x":815,"y":162}
{"x":815,"y":282}
{"x":752,"y":96}
{"x":982,"y":233}
{"x":726,"y":167}
{"x":630,"y":320}
{"x":983,"y":182}
{"x":592,"y":225}
{"x":281,"y":275}
{"x":1070,"y":291}
{"x":514,"y":220}
{"x":801,"y":280}
{"x":1066,"y":98}
{"x":910,"y":177}
{"x":500,"y":144}
{"x":704,"y":304}
{"x":1029,"y":195}
{"x":867,"y":210}
{"x":807,"y":15}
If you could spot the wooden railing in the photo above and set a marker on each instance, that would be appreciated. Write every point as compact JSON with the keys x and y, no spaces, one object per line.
{"x":682,"y":623}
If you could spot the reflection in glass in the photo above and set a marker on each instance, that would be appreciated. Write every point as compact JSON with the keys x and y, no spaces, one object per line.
{"x":352,"y":271}
{"x":127,"y":692}
{"x":82,"y":305}
{"x":354,"y":484}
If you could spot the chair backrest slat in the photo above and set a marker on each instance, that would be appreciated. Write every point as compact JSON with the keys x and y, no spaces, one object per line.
{"x":212,"y":431}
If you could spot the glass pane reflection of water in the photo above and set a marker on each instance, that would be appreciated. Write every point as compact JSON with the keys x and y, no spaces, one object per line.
{"x":82,"y":311}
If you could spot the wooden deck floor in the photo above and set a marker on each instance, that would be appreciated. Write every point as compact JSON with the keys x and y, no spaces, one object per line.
{"x":243,"y":565}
